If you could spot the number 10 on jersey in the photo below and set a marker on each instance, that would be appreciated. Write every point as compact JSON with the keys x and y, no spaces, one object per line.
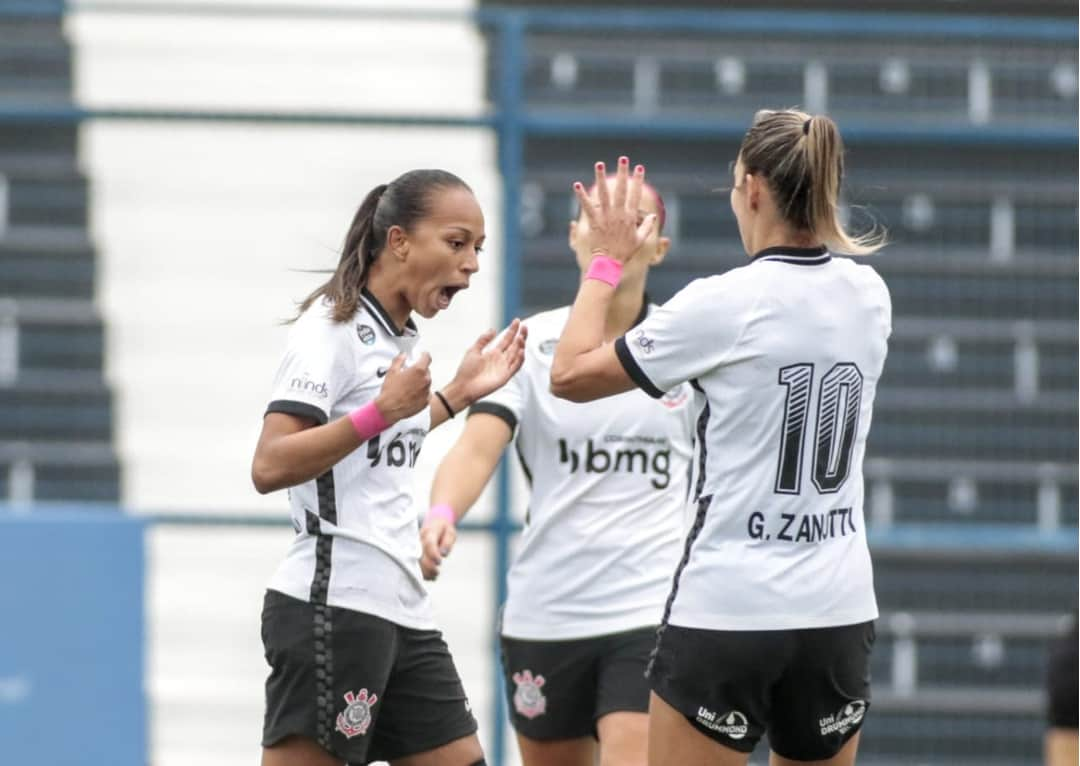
{"x":836,"y":423}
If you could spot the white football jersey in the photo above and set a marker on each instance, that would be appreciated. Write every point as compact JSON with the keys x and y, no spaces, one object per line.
{"x":357,"y":545}
{"x":787,"y":351}
{"x":607,"y":508}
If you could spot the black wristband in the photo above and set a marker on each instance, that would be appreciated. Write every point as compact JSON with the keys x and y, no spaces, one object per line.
{"x":445,"y":403}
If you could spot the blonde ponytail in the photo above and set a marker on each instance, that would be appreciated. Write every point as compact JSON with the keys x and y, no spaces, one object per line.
{"x":802,"y":158}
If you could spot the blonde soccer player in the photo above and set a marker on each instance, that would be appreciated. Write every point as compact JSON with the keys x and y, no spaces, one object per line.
{"x":770,"y":620}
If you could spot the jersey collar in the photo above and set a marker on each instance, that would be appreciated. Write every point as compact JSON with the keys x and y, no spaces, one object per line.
{"x":371,"y":303}
{"x":800,"y":256}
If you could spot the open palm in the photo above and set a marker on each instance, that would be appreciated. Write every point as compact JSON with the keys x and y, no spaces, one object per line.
{"x":483,"y":369}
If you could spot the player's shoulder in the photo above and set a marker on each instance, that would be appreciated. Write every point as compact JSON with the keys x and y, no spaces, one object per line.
{"x":317,"y":324}
{"x":731,"y":287}
{"x":550,"y":319}
{"x":862,"y":274}
{"x":857,"y":267}
{"x":545,"y":327}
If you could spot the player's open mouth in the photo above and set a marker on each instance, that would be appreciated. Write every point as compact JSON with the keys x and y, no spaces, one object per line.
{"x":447,"y":294}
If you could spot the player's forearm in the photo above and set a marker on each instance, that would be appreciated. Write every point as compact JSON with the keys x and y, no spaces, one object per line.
{"x":290,"y":459}
{"x":452,"y":401}
{"x":584,"y":333}
{"x":463,"y":474}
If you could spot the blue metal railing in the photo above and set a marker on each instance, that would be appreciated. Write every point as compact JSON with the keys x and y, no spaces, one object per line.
{"x":513,"y":121}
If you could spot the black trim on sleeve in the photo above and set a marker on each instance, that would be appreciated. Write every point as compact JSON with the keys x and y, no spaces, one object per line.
{"x":299,"y":409}
{"x":501,"y":411}
{"x":635,"y":372}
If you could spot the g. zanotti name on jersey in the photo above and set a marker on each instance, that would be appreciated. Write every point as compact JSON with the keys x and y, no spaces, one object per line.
{"x":802,"y":527}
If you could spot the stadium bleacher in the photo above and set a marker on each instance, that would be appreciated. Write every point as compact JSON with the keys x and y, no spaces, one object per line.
{"x":950,"y":147}
{"x":56,"y":425}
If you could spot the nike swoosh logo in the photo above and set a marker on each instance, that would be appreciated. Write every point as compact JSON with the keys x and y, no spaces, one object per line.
{"x":381,"y":372}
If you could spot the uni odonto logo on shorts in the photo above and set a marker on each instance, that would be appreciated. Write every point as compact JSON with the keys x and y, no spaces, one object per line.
{"x":849,"y":716}
{"x":356,"y":717}
{"x":528,"y":699}
{"x":732,"y":724}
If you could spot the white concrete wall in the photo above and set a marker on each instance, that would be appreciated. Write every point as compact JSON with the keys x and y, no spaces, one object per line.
{"x":202,"y":230}
{"x":202,"y":227}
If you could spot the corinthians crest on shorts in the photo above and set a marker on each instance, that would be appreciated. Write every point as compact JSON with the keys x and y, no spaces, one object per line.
{"x":356,"y":717}
{"x":529,"y":701}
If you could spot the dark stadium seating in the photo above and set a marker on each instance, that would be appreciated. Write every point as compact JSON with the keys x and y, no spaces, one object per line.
{"x":46,"y":262}
{"x":56,"y":414}
{"x":35,"y":63}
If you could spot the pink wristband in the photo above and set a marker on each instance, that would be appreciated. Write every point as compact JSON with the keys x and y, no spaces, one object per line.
{"x":441,"y":511}
{"x":367,"y":421}
{"x":606,"y":269}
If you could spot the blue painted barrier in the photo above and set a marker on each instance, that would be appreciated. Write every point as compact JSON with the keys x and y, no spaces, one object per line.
{"x":72,"y":639}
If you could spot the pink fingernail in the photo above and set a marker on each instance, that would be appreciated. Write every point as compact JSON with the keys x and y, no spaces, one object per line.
{"x":599,"y":166}
{"x":639,"y":169}
{"x":624,"y":160}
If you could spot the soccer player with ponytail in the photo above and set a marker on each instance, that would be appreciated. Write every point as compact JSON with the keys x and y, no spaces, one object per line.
{"x":770,"y":620}
{"x":359,"y":672}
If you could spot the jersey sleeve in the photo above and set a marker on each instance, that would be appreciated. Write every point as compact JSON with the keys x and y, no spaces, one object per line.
{"x":684,"y":338}
{"x":315,"y":371}
{"x":508,"y":402}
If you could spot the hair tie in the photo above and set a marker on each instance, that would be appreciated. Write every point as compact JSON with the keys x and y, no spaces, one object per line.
{"x":806,"y":127}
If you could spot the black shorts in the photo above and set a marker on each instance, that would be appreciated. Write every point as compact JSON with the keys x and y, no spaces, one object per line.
{"x":364,"y":688}
{"x":560,"y":689}
{"x":1062,"y":681}
{"x":809,"y":690}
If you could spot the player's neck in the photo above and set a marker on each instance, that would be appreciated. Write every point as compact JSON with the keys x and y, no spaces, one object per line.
{"x":781,"y":236}
{"x":380,"y":283}
{"x":624,"y":311}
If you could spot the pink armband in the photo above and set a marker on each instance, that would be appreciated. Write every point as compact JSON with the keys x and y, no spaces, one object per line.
{"x":367,"y":421}
{"x":606,"y":269}
{"x":441,"y":511}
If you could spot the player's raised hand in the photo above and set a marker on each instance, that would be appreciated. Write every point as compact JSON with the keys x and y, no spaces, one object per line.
{"x":486,"y":366}
{"x":614,"y":229}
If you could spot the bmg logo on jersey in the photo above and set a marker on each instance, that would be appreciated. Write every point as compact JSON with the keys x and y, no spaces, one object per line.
{"x":402,"y":450}
{"x":308,"y":386}
{"x":612,"y":458}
